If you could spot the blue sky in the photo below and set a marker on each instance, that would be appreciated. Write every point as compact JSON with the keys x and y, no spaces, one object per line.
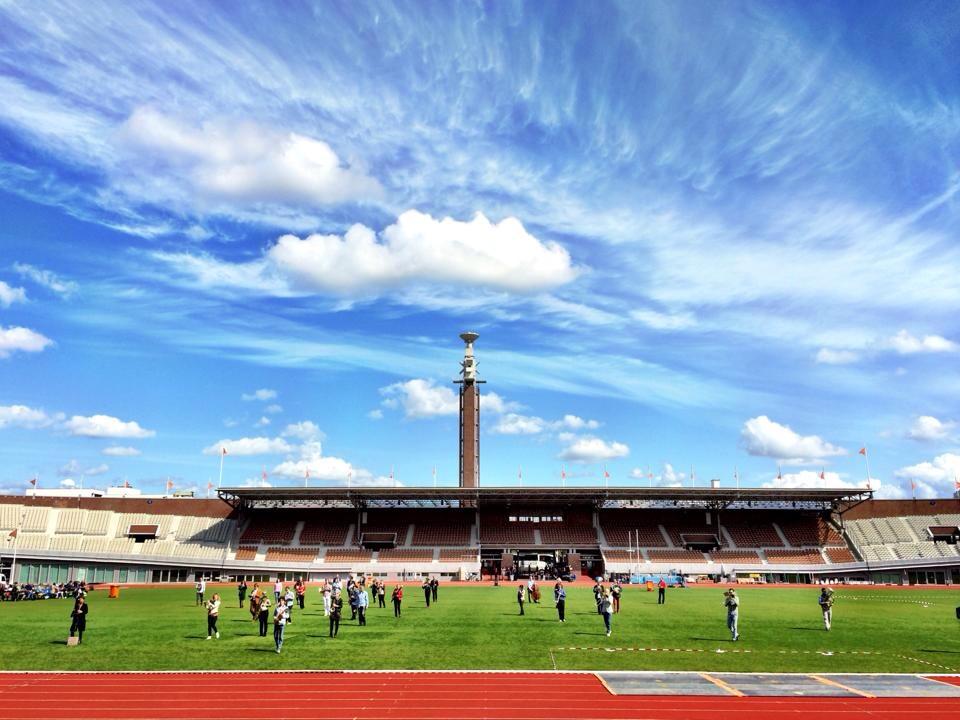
{"x":697,"y":235}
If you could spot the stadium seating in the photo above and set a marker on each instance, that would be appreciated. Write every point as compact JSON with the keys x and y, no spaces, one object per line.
{"x":406,"y":555}
{"x":347,"y":555}
{"x":736,"y":556}
{"x":506,"y":534}
{"x":794,"y":557}
{"x":318,"y":533}
{"x":246,"y":553}
{"x":840,"y":555}
{"x":808,"y":531}
{"x":564,"y":535}
{"x":758,"y":534}
{"x":440,"y":534}
{"x":35,"y":519}
{"x":289,"y":554}
{"x":675,"y":555}
{"x":459,"y":555}
{"x":266,"y":529}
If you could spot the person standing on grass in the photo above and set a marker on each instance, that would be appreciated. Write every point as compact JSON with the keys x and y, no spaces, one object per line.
{"x":279,"y":623}
{"x":382,"y":593}
{"x":263,"y":613}
{"x":606,"y":609}
{"x":327,"y":591}
{"x":213,"y":613}
{"x":78,"y":622}
{"x":615,"y":592}
{"x":363,"y":602}
{"x":336,"y":610}
{"x":560,"y":599}
{"x":242,"y":591}
{"x":397,"y":597}
{"x":530,"y":585}
{"x":598,"y":595}
{"x":662,"y":592}
{"x":201,"y":589}
{"x":427,"y":590}
{"x":277,"y":589}
{"x":255,"y":597}
{"x":435,"y":588}
{"x":826,"y":605}
{"x":520,"y":597}
{"x":732,"y":603}
{"x":288,"y":596}
{"x":300,"y":589}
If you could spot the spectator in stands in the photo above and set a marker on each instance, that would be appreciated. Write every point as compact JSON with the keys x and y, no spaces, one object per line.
{"x":382,"y":593}
{"x":277,"y":589}
{"x":213,"y":613}
{"x":79,"y":618}
{"x":289,"y":600}
{"x":201,"y":589}
{"x":520,"y":597}
{"x":616,"y":590}
{"x":606,"y":609}
{"x":363,"y":602}
{"x":826,"y":605}
{"x":560,"y":600}
{"x":301,"y":590}
{"x":263,"y":613}
{"x":242,"y":591}
{"x":732,"y":603}
{"x":435,"y":588}
{"x":662,"y":592}
{"x":279,"y":623}
{"x":397,"y":597}
{"x":336,"y":609}
{"x":327,"y":591}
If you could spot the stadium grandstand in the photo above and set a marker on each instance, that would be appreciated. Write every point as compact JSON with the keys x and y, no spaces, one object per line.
{"x":763,"y":535}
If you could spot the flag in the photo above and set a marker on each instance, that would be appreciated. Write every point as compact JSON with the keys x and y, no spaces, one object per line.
{"x":863,"y":450}
{"x":263,"y":475}
{"x":779,"y":473}
{"x":606,"y":474}
{"x":126,"y":483}
{"x":306,"y":474}
{"x":224,"y":451}
{"x":169,"y":485}
{"x":563,"y":473}
{"x":822,"y":476}
{"x":210,"y":485}
{"x":913,"y":485}
{"x":13,"y":533}
{"x":33,"y":481}
{"x":519,"y":473}
{"x":956,"y":484}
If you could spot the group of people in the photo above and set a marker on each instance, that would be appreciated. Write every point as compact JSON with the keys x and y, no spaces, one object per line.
{"x":14,"y":592}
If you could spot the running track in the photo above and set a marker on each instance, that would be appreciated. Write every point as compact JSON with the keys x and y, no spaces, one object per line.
{"x":413,"y":696}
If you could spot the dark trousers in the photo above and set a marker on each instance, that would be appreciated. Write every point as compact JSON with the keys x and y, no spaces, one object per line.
{"x":561,"y":608}
{"x":606,"y":620}
{"x":243,"y":596}
{"x":211,"y":624}
{"x":396,"y":608}
{"x":382,"y":598}
{"x":263,"y":617}
{"x":300,"y":601}
{"x":199,"y":598}
{"x":78,"y":626}
{"x":434,"y":591}
{"x":362,"y":615}
{"x":661,"y":596}
{"x":426,"y":597}
{"x":334,"y":625}
{"x":278,"y":636}
{"x":520,"y":603}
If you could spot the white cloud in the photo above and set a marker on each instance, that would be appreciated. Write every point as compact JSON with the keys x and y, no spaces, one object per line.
{"x":246,"y":162}
{"x":763,"y":437}
{"x":492,"y":403}
{"x":13,"y":339}
{"x":256,"y":482}
{"x":926,"y":428}
{"x":421,"y":398}
{"x":120,"y":451}
{"x":46,"y":278}
{"x":515,"y":424}
{"x":250,"y":446}
{"x":273,"y":409}
{"x":25,"y":417}
{"x":100,"y":469}
{"x":262,"y":422}
{"x":416,"y":249}
{"x":10,"y":295}
{"x":671,"y":477}
{"x":68,"y":483}
{"x":73,"y":468}
{"x":828,"y":356}
{"x":105,"y":426}
{"x":573,"y":422}
{"x":907,"y":344}
{"x":812,"y":479}
{"x":592,"y":449}
{"x":304,"y":430}
{"x":664,"y":321}
{"x":263,"y":394}
{"x":937,"y":475}
{"x":375,"y":414}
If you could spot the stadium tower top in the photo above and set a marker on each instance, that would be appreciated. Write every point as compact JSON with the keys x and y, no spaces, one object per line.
{"x":469,"y":414}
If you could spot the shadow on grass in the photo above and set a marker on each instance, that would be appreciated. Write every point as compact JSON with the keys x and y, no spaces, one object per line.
{"x":58,"y":642}
{"x":264,"y":649}
{"x":809,"y":629}
{"x":943,"y":652}
{"x":712,"y":639}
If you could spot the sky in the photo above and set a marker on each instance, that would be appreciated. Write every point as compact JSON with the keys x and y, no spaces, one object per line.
{"x":698,"y":241}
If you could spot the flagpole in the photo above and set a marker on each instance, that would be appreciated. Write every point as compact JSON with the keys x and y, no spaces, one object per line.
{"x":693,"y":477}
{"x":220,"y":478}
{"x":866,"y":460}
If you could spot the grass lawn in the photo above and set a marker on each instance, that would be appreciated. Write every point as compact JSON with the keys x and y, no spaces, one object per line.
{"x":875,"y":630}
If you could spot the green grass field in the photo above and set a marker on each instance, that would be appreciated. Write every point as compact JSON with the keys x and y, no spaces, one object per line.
{"x":479,"y":628}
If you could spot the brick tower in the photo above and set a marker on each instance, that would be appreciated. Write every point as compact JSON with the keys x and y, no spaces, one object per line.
{"x":469,"y":415}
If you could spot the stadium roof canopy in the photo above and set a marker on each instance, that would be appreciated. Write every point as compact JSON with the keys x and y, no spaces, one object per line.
{"x":636,"y":497}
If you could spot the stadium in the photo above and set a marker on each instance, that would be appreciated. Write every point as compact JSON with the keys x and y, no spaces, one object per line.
{"x":889,"y":566}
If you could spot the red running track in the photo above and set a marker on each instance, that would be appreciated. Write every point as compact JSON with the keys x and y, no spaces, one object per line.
{"x":413,"y":696}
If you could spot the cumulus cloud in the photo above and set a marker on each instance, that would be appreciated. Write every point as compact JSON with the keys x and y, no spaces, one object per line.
{"x":263,"y":395}
{"x":593,"y":449}
{"x":25,"y":417}
{"x":937,"y":475}
{"x":421,"y":398}
{"x":10,"y":295}
{"x":73,"y":467}
{"x":304,"y":430}
{"x":273,"y":409}
{"x":573,"y":422}
{"x":246,"y":162}
{"x":495,"y":404}
{"x":120,"y":451}
{"x":763,"y":437}
{"x":927,"y":428}
{"x":828,"y":356}
{"x":907,"y":344}
{"x":21,"y":339}
{"x":262,"y":422}
{"x":416,"y":249}
{"x":46,"y":279}
{"x":68,"y":483}
{"x":250,"y":446}
{"x":812,"y":479}
{"x":515,"y":424}
{"x":105,"y":426}
{"x":375,"y":414}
